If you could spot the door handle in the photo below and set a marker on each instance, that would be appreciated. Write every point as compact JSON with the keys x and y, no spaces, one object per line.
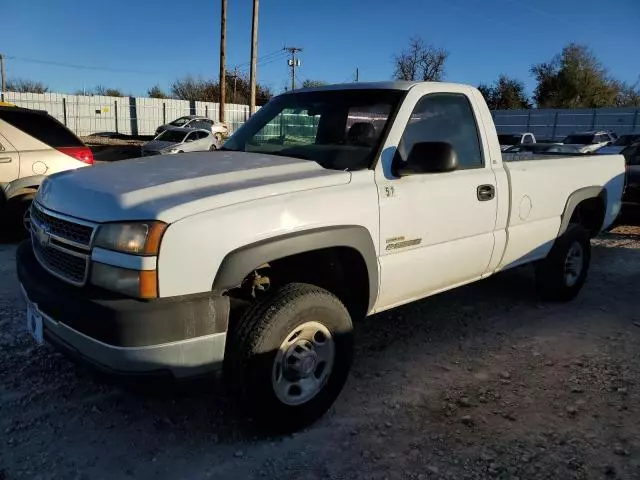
{"x":5,"y":159}
{"x":486,"y":192}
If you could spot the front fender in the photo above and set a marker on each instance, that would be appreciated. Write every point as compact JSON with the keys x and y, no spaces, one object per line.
{"x":239,"y":263}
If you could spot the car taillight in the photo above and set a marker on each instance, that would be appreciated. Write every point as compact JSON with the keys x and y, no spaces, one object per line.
{"x":83,"y":154}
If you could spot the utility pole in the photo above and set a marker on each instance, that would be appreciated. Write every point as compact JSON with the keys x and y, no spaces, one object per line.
{"x":235,"y":84}
{"x":2,"y":85}
{"x":223,"y":57}
{"x":293,"y":63}
{"x":254,"y":58}
{"x":357,"y":74}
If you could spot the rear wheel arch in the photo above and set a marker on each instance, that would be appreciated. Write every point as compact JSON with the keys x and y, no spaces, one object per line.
{"x":587,"y":207}
{"x":350,"y":246}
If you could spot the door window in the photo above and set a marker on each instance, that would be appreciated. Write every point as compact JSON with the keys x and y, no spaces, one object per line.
{"x":444,"y":117}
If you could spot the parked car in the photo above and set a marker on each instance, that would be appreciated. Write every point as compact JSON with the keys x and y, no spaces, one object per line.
{"x":258,"y":263}
{"x":180,"y":140}
{"x":619,"y":145}
{"x":509,"y":139}
{"x":590,"y":141}
{"x":535,"y":148}
{"x":33,"y":145}
{"x":219,"y":130}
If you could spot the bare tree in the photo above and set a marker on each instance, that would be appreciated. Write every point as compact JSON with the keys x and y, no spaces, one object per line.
{"x":420,"y":61}
{"x":23,"y":85}
{"x":309,"y":83}
{"x":237,"y":90}
{"x":107,"y":92}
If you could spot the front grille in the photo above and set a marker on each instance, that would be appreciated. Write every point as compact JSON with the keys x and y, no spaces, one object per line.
{"x":61,"y":244}
{"x":62,"y":228}
{"x":64,"y":265}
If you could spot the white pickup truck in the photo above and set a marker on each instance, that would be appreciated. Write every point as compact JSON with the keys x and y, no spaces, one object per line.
{"x":328,"y":205}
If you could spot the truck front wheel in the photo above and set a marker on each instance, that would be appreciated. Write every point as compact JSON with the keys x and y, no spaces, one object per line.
{"x":562,"y":274}
{"x":289,"y":356}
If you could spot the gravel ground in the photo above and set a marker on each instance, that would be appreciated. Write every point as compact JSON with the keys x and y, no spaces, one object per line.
{"x":480,"y":382}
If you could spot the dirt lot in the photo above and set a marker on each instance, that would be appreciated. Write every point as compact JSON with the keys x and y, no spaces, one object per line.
{"x":481,"y":382}
{"x":114,"y":149}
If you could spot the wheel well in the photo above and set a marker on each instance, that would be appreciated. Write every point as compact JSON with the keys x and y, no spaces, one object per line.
{"x":590,"y":214}
{"x":340,"y":270}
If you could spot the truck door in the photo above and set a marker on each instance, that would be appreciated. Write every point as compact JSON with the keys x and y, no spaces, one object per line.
{"x":436,"y":229}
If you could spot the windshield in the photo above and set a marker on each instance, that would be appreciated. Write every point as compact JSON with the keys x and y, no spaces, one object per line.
{"x":173,"y":136}
{"x":508,"y":139}
{"x":180,"y":121}
{"x":578,"y":139}
{"x":339,"y":129}
{"x":625,"y":140}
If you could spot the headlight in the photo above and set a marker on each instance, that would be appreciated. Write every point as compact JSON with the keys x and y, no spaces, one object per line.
{"x":135,"y":283}
{"x":139,"y":238}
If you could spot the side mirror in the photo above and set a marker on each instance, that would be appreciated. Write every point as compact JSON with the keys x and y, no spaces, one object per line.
{"x":427,"y":157}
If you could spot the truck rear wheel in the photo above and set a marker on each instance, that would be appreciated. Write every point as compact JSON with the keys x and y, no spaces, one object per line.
{"x":289,"y":356}
{"x":562,"y":274}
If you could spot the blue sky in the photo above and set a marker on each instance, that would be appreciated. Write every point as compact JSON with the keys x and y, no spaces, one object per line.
{"x":140,"y":43}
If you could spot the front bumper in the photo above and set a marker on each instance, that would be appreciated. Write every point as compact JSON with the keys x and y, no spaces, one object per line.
{"x":182,"y":335}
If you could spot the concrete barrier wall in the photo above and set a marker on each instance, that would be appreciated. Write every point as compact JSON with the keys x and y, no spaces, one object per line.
{"x":85,"y":115}
{"x":555,"y":124}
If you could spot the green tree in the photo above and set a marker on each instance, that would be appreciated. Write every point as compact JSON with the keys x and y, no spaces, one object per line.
{"x":574,"y":78}
{"x":156,"y":92}
{"x":308,"y":83}
{"x":505,"y":94}
{"x":420,"y":61}
{"x":23,"y":85}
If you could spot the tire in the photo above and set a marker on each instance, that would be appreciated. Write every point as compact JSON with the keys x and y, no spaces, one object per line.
{"x":255,"y":357}
{"x":212,"y":148}
{"x":561,"y":275}
{"x":18,"y":214}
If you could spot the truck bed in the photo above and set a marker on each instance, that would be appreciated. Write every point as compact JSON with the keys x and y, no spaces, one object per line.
{"x":539,"y":192}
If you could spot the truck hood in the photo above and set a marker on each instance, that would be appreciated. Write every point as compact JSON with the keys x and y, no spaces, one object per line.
{"x":171,"y":187}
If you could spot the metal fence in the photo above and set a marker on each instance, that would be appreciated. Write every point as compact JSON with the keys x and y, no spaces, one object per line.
{"x":555,"y":124}
{"x":86,"y":115}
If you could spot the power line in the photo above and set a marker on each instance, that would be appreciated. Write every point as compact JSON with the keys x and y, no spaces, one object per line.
{"x":268,"y":56}
{"x":80,"y":67}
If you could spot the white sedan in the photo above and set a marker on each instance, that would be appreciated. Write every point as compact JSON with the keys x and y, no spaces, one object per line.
{"x":180,"y":140}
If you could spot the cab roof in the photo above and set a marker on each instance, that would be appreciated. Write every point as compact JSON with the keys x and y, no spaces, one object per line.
{"x":391,"y":85}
